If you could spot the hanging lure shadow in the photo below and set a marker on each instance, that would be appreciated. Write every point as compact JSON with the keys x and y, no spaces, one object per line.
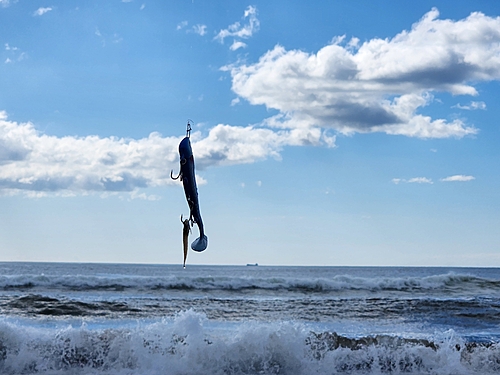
{"x":187,"y":176}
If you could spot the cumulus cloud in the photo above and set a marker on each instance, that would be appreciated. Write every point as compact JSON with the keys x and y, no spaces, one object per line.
{"x":41,"y":11}
{"x":380,"y":85}
{"x":228,"y":145}
{"x":458,"y":177}
{"x":31,"y":161}
{"x":241,"y":31}
{"x":39,"y":164}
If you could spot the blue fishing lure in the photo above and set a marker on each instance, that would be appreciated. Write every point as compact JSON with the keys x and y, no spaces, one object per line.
{"x":187,"y":176}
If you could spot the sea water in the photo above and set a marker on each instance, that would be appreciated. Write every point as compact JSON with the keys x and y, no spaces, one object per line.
{"x":60,"y":318}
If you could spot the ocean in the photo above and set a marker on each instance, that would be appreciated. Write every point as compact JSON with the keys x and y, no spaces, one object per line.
{"x":68,"y":318}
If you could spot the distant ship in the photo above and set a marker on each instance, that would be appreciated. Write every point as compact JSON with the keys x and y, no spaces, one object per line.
{"x":252,"y":264}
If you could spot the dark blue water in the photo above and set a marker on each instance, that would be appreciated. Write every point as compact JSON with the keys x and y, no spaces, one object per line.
{"x":162,"y":319}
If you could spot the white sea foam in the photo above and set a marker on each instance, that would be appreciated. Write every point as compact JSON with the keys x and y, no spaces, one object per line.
{"x":160,"y":319}
{"x":190,"y":344}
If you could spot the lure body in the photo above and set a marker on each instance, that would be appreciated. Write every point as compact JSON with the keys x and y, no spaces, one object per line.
{"x":187,"y":175}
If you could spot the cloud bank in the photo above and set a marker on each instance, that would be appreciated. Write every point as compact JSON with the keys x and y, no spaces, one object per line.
{"x":39,"y":164}
{"x":379,"y":85}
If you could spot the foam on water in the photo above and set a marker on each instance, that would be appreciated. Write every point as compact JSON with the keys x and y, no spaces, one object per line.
{"x":119,"y":319}
{"x":192,"y":344}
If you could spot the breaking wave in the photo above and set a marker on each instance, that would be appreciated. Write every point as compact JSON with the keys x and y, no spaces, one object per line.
{"x":191,"y":344}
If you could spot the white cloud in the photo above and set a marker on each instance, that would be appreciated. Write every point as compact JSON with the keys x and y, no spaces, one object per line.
{"x":472,"y":106}
{"x":228,"y":145}
{"x":9,"y":48}
{"x":144,"y":196}
{"x":15,"y":54}
{"x":200,"y":29}
{"x":239,"y":31}
{"x":197,"y":29}
{"x":41,"y":11}
{"x":414,"y":180}
{"x":459,"y":177}
{"x":420,"y":180}
{"x":30,"y":161}
{"x":237,"y":45}
{"x":39,"y":164}
{"x":425,"y":180}
{"x":6,"y":3}
{"x":380,"y":85}
{"x":182,"y":25}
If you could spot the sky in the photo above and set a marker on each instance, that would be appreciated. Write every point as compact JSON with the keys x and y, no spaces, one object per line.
{"x":329,"y":133}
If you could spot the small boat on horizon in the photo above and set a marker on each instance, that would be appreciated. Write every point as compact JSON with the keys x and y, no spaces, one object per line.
{"x":252,"y":264}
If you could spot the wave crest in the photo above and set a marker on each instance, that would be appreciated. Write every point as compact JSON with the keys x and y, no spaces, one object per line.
{"x":190,"y":344}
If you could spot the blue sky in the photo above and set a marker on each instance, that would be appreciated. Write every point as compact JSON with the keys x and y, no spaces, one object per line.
{"x":337,"y":133}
